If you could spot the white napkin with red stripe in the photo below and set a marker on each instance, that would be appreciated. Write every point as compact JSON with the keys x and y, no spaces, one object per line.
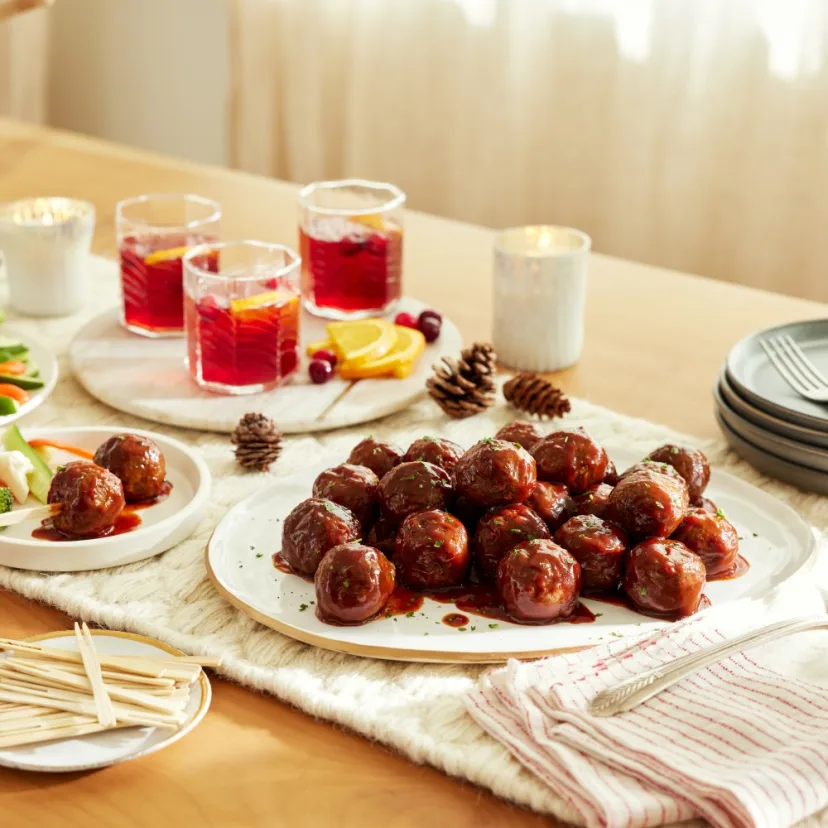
{"x":739,"y":743}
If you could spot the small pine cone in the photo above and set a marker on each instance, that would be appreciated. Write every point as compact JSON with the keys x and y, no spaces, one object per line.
{"x":464,"y":387}
{"x":258,"y":442}
{"x":535,"y":395}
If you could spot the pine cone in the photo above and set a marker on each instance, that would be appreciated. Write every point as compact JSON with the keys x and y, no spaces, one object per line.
{"x":258,"y":442}
{"x":466,"y":386}
{"x":535,"y":395}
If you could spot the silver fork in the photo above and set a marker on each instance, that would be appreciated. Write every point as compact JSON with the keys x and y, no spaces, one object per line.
{"x":795,"y":368}
{"x":632,"y":692}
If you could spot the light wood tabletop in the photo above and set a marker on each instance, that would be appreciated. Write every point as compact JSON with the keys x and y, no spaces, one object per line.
{"x":655,"y":342}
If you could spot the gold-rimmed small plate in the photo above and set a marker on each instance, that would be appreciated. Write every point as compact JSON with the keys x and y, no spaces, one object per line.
{"x":99,"y":750}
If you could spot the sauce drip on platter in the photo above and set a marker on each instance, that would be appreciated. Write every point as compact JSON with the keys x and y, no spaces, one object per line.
{"x":127,"y":521}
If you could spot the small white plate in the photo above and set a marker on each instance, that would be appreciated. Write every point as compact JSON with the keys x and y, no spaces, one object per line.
{"x":147,"y":378}
{"x":99,"y":750}
{"x":46,"y":363}
{"x":163,"y":525}
{"x":775,"y":540}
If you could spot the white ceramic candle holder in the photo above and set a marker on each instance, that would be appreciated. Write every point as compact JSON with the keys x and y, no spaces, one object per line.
{"x":540,"y":284}
{"x":45,"y":244}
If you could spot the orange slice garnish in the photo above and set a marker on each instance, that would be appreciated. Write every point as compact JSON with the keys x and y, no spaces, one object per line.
{"x":165,"y":255}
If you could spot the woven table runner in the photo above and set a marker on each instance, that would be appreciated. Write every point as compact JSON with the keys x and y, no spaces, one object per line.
{"x":414,"y":708}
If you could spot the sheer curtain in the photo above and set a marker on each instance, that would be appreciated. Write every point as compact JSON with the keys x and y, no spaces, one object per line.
{"x":24,"y":47}
{"x":687,"y":133}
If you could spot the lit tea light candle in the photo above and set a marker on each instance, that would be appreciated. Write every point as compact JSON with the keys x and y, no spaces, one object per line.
{"x":45,"y":244}
{"x":540,"y":285}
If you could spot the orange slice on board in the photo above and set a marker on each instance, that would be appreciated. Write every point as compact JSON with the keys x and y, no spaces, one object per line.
{"x":165,"y":255}
{"x":398,"y":362}
{"x":361,"y":341}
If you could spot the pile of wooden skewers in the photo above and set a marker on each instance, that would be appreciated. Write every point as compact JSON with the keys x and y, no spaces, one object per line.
{"x":48,"y":693}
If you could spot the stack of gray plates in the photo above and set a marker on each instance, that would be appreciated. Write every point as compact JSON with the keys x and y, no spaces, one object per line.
{"x":765,"y":421}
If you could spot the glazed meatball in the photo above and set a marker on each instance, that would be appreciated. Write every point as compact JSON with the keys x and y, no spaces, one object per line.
{"x":495,"y":473}
{"x":571,"y":457}
{"x":499,"y":531}
{"x":414,"y":487}
{"x":599,"y":547}
{"x":690,"y":463}
{"x":354,"y":487}
{"x":653,"y":467}
{"x":382,"y":535}
{"x":137,"y":462}
{"x":314,"y":527}
{"x":432,"y":551}
{"x":713,"y":538}
{"x":376,"y":455}
{"x":353,"y":583}
{"x":552,"y":503}
{"x":664,"y":577}
{"x":539,"y":582}
{"x":648,"y":504}
{"x":522,"y":432}
{"x":593,"y":501}
{"x":611,"y":475}
{"x":436,"y":450}
{"x":92,"y":499}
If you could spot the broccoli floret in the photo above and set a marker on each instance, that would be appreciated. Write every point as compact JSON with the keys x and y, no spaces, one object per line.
{"x":6,"y":500}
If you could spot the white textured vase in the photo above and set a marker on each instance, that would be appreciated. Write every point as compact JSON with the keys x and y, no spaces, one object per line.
{"x":45,"y":243}
{"x":540,"y":284}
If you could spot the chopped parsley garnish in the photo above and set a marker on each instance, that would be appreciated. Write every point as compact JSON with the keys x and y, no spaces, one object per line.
{"x":409,"y":615}
{"x":462,"y":629}
{"x":517,"y":531}
{"x":260,"y":554}
{"x":493,"y":626}
{"x":346,"y":583}
{"x":302,"y":607}
{"x":720,"y":514}
{"x":674,"y":450}
{"x":643,"y":590}
{"x":438,"y":544}
{"x":409,"y":477}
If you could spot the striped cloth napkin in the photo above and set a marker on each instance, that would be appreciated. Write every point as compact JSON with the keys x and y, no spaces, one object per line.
{"x":736,"y":743}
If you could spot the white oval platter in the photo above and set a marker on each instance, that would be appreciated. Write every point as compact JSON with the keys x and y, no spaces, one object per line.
{"x":775,"y":540}
{"x":163,"y":525}
{"x":99,"y":750}
{"x":147,"y":378}
{"x":46,"y":363}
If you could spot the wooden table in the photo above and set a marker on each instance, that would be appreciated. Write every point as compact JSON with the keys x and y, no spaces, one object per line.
{"x":655,"y":342}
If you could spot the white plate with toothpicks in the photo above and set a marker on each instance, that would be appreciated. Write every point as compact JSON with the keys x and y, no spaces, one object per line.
{"x":774,"y":540}
{"x":56,"y":689}
{"x":148,"y":378}
{"x":141,"y":531}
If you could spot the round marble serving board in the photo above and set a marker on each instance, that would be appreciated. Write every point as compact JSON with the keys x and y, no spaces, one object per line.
{"x":147,"y":378}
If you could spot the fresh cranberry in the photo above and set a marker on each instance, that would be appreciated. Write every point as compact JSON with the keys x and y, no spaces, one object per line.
{"x":430,"y":328}
{"x":431,"y":314}
{"x":326,"y":355}
{"x":320,"y":371}
{"x":407,"y":320}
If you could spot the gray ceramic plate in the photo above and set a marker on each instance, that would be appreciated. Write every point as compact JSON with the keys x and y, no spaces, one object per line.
{"x":810,"y":456}
{"x":802,"y":477}
{"x":767,"y":422}
{"x":754,"y":377}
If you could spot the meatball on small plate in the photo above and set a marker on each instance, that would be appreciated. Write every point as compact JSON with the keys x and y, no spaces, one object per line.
{"x":103,"y":497}
{"x":552,"y":595}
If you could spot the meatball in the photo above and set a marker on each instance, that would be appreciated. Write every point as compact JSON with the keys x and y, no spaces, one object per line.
{"x":653,"y":467}
{"x":382,"y":535}
{"x":713,"y":538}
{"x":92,"y":499}
{"x":314,"y":527}
{"x":495,"y":473}
{"x":432,"y":551}
{"x":522,"y":432}
{"x":690,"y":463}
{"x":436,"y":450}
{"x":376,"y":455}
{"x":414,"y":487}
{"x":599,"y":547}
{"x":353,"y":583}
{"x":137,"y":462}
{"x":502,"y":529}
{"x":552,"y":503}
{"x":571,"y":457}
{"x":539,"y":582}
{"x":611,"y":474}
{"x":354,"y":487}
{"x":648,"y":504}
{"x":664,"y":577}
{"x":593,"y":501}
